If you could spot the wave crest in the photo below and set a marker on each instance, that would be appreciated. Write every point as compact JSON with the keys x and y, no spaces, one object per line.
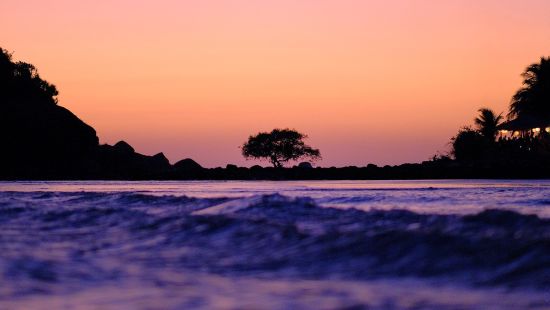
{"x":271,"y":235}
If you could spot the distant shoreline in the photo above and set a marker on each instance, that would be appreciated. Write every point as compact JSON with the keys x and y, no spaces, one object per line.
{"x":421,"y":171}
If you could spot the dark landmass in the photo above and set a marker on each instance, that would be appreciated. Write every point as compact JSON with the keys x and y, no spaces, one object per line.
{"x":44,"y":141}
{"x":425,"y":170}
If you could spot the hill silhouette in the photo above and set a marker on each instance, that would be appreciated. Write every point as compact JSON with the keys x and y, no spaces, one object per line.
{"x":45,"y":141}
{"x":39,"y":138}
{"x":42,"y":140}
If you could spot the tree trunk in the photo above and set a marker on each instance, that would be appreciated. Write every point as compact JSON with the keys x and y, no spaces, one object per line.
{"x":275,"y":162}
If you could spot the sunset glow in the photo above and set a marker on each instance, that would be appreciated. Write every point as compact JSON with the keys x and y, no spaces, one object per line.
{"x":381,"y":82}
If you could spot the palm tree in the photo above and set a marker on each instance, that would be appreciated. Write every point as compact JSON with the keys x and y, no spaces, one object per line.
{"x":487,"y":123}
{"x":533,"y":98}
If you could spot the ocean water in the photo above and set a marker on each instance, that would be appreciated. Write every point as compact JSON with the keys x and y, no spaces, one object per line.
{"x":275,"y":245}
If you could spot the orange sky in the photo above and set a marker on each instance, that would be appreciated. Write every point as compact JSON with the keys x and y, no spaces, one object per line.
{"x":381,"y":82}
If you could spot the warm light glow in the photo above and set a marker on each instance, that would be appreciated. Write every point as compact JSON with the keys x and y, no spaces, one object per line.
{"x":385,"y":82}
{"x":516,"y":133}
{"x":504,"y":132}
{"x":547,"y":129}
{"x":535,"y":130}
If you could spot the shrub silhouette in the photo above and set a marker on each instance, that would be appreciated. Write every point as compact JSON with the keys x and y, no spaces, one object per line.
{"x":468,"y":145}
{"x":279,"y":146}
{"x":20,"y":81}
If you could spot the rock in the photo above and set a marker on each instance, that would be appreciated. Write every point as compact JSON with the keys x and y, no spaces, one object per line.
{"x":124,"y":147}
{"x":120,"y":163}
{"x":159,"y":162}
{"x":187,"y":165}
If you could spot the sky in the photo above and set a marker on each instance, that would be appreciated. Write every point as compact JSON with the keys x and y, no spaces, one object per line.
{"x":383,"y":82}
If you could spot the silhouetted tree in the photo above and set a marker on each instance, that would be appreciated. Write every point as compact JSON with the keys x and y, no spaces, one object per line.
{"x":534,"y":97}
{"x":20,"y":81}
{"x":487,"y":123}
{"x":279,"y":146}
{"x":468,"y":145}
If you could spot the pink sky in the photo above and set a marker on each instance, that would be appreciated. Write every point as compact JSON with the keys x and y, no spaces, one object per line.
{"x":381,"y":82}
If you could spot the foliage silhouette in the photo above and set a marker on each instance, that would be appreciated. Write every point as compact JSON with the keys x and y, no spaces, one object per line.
{"x":468,"y":145}
{"x":279,"y":146}
{"x":529,"y":109}
{"x":487,"y":123}
{"x":21,"y":81}
{"x":533,"y":98}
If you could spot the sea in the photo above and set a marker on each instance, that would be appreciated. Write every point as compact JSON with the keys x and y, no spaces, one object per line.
{"x":441,"y":244}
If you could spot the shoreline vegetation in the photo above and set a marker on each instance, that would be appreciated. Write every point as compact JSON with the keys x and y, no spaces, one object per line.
{"x":44,"y":141}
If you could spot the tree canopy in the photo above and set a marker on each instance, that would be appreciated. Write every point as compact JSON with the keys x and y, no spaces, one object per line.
{"x":533,"y":98}
{"x":279,"y":146}
{"x":487,"y":123}
{"x":20,"y":81}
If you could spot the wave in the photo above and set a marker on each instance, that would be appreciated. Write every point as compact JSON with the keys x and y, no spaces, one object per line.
{"x":268,"y":235}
